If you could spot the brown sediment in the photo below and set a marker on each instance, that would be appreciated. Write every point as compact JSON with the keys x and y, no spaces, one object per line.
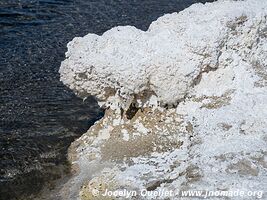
{"x":215,"y":101}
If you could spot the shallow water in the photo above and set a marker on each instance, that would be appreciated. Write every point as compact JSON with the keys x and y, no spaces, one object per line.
{"x":39,"y":116}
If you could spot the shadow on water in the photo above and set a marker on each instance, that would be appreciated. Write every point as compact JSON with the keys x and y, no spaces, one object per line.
{"x":39,"y":116}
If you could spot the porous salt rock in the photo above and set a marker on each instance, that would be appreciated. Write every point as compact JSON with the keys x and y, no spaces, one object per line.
{"x":212,"y":56}
{"x":126,"y":64}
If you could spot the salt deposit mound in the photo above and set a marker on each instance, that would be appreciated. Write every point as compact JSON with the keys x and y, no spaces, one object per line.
{"x":186,"y":103}
{"x":166,"y":60}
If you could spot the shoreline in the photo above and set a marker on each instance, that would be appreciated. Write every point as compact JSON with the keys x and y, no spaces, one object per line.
{"x":36,"y":105}
{"x":184,"y":104}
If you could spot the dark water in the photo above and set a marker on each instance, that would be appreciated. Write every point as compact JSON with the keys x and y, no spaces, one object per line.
{"x":39,"y":116}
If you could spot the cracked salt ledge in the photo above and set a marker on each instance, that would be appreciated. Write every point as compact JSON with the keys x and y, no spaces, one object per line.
{"x":211,"y":59}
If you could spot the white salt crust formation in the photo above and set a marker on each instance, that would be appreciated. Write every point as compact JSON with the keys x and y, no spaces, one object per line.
{"x":212,"y":60}
{"x":166,"y":60}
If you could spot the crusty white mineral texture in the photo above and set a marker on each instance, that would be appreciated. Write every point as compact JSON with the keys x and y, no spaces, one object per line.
{"x":166,"y":60}
{"x":186,"y":104}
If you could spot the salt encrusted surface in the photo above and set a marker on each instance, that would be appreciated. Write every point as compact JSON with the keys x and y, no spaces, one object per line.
{"x":169,"y":56}
{"x":212,"y":60}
